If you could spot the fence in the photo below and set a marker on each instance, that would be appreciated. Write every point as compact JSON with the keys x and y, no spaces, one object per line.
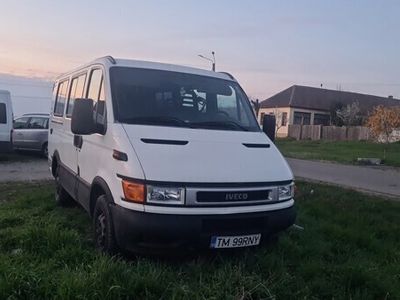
{"x":332,"y":133}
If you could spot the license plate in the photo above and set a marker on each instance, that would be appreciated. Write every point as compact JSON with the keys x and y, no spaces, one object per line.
{"x":235,"y":241}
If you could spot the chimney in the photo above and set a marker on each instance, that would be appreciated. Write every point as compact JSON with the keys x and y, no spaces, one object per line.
{"x":390,"y":97}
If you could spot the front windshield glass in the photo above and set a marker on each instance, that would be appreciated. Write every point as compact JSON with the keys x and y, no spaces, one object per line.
{"x":164,"y":98}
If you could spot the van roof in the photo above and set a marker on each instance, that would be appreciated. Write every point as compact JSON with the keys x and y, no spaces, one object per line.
{"x":109,"y":61}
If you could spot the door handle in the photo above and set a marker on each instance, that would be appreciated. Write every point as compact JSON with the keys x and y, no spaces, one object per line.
{"x":51,"y":130}
{"x":78,"y":141}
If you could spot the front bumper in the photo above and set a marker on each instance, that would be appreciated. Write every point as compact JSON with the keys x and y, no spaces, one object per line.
{"x":136,"y":230}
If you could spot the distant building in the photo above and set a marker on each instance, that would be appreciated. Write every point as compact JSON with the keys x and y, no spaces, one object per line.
{"x":313,"y":106}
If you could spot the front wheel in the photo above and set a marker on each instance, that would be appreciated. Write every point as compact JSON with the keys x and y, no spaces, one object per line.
{"x":104,"y":236}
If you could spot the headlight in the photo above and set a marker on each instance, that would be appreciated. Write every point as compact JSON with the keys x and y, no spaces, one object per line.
{"x":165,"y":195}
{"x":286,"y":192}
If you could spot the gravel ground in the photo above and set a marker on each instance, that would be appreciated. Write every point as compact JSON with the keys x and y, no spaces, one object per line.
{"x":32,"y":170}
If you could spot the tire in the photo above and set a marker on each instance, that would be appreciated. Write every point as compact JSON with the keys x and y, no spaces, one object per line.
{"x":104,"y":236}
{"x":61,"y":195}
{"x":45,"y":151}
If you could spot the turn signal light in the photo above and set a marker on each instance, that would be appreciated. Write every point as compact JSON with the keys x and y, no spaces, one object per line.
{"x":134,"y":192}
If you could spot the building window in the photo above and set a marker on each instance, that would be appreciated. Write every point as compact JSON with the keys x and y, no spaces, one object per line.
{"x":302,"y":118}
{"x":321,"y":119}
{"x":284,"y":119}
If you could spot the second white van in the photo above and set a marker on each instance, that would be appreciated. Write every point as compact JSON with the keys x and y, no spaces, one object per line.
{"x":166,"y":156}
{"x":6,"y":121}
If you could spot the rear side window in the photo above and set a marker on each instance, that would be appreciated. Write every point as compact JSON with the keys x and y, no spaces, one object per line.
{"x":3,"y":113}
{"x":76,"y":91}
{"x":37,"y":123}
{"x":21,"y":123}
{"x":60,"y":99}
{"x":96,"y":92}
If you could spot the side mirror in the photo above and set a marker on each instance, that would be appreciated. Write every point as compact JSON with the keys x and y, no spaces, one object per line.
{"x":269,"y":126}
{"x":82,"y":121}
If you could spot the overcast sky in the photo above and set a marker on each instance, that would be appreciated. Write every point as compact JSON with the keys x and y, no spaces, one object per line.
{"x":267,"y":45}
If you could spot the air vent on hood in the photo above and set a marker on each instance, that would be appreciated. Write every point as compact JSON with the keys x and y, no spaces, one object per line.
{"x":256,"y":145}
{"x":164,"y":142}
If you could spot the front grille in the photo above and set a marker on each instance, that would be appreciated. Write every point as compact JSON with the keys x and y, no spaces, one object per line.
{"x":236,"y":196}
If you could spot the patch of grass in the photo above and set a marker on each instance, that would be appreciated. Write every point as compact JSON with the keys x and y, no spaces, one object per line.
{"x":349,"y":249}
{"x":345,"y":152}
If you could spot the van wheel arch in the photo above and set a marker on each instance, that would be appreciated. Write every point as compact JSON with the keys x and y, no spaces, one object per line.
{"x":99,"y":187}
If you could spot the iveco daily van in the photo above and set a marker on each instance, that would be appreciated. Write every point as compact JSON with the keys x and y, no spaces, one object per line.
{"x":166,"y":156}
{"x":6,"y":121}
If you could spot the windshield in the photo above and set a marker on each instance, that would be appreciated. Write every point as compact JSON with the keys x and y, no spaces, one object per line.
{"x":164,"y":98}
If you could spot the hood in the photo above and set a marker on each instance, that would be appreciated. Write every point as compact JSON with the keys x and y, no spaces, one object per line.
{"x":177,"y":154}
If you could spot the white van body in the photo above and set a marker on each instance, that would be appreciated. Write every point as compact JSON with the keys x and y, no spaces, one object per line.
{"x":6,"y":121}
{"x":238,"y":174}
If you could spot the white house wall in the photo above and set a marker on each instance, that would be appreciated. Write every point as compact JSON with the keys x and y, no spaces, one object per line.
{"x":283,"y":131}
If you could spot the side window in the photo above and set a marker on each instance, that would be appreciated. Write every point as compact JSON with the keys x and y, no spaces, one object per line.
{"x":3,"y":113}
{"x":37,"y":123}
{"x":76,"y":91}
{"x":60,"y":100}
{"x":21,"y":123}
{"x":96,"y":92}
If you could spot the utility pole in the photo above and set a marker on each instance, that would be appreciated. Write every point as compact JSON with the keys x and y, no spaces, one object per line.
{"x":212,"y":60}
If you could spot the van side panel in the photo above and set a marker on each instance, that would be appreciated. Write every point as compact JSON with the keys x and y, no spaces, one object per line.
{"x":94,"y":159}
{"x":59,"y":141}
{"x":6,"y":122}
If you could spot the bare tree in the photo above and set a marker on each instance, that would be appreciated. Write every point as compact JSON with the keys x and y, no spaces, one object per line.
{"x":278,"y":120}
{"x":349,"y":114}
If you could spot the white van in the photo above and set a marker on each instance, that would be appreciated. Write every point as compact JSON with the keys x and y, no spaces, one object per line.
{"x":166,"y":156}
{"x":6,"y":121}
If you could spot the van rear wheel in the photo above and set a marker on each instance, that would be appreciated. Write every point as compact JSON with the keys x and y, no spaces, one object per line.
{"x":104,"y":236}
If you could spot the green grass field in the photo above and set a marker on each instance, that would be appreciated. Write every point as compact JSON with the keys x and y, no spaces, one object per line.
{"x":345,"y":152}
{"x":349,"y":249}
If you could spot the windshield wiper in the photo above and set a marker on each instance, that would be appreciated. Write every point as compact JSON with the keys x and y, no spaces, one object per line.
{"x":221,"y":124}
{"x":156,"y":120}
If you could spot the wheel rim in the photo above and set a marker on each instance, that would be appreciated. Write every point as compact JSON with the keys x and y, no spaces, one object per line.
{"x":101,"y":230}
{"x":45,"y":151}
